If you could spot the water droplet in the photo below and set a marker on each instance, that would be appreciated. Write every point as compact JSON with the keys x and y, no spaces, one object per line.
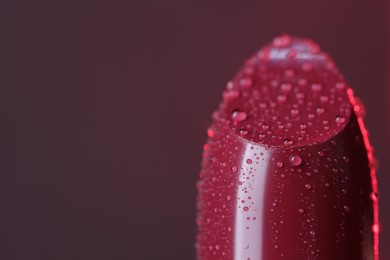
{"x":316,"y":87}
{"x":261,"y":136}
{"x":340,"y":120}
{"x":340,"y":85}
{"x":320,"y":110}
{"x":243,"y":132}
{"x":307,"y":66}
{"x":246,"y":82}
{"x":359,"y":108}
{"x":324,"y":99}
{"x":287,"y":142}
{"x":210,"y":133}
{"x":375,"y":228}
{"x":234,"y":169}
{"x":294,"y":111}
{"x":289,"y":73}
{"x":308,"y":186}
{"x":301,"y":210}
{"x":248,"y":161}
{"x":230,"y":85}
{"x":231,"y":94}
{"x":286,"y":87}
{"x":228,"y":197}
{"x":281,"y":98}
{"x":239,"y":116}
{"x":300,"y":95}
{"x":265,"y":127}
{"x":295,"y":160}
{"x":246,"y":208}
{"x":279,"y":164}
{"x":282,"y":41}
{"x":249,"y":70}
{"x":302,"y":82}
{"x":374,"y":196}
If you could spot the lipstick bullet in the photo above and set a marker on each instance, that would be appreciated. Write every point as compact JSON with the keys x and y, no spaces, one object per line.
{"x":288,"y":171}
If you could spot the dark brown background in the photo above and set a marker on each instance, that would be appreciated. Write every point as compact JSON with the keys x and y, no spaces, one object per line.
{"x":104,"y":108}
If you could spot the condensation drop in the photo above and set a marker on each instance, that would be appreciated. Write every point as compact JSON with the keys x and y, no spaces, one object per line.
{"x":246,"y":82}
{"x":287,"y":142}
{"x":316,"y":87}
{"x":340,"y":120}
{"x":279,"y":164}
{"x":295,"y":160}
{"x":239,"y":116}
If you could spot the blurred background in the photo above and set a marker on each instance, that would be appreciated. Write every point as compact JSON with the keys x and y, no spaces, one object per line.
{"x":104,"y":108}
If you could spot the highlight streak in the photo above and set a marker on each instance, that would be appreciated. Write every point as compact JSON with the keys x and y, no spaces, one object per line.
{"x":374,"y":181}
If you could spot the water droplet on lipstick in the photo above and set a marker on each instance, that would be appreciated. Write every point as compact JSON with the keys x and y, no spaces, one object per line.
{"x":294,"y":111}
{"x":295,"y":160}
{"x":239,"y":116}
{"x":210,"y":133}
{"x":324,"y":99}
{"x":243,"y":132}
{"x":340,"y":85}
{"x":231,"y":94}
{"x":282,"y":41}
{"x":316,"y":87}
{"x":286,"y":87}
{"x":287,"y":142}
{"x":281,"y":98}
{"x":340,"y":120}
{"x":246,"y":82}
{"x":375,"y":228}
{"x":320,"y":110}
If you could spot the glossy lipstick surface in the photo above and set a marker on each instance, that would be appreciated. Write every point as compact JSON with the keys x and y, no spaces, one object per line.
{"x":288,"y":171}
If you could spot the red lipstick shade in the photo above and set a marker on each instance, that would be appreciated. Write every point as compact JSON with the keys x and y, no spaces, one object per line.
{"x":288,"y":171}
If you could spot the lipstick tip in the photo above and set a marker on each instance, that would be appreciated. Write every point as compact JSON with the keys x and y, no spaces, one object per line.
{"x":288,"y":159}
{"x":286,"y":95}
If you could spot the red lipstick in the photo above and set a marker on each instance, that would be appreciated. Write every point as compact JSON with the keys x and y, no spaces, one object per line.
{"x":288,"y":171}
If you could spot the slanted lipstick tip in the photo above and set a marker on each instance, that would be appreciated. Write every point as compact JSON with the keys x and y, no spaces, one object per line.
{"x":285,"y":100}
{"x":288,"y":159}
